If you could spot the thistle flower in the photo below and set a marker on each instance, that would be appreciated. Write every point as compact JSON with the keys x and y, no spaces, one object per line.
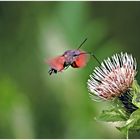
{"x":114,"y":78}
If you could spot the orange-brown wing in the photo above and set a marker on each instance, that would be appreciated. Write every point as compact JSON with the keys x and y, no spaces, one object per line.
{"x":81,"y":60}
{"x":57,"y":63}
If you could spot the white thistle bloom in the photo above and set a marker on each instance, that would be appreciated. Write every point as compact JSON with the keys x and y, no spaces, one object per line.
{"x":114,"y":77}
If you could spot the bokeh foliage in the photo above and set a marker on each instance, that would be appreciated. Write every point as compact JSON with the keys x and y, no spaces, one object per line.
{"x":36,"y":105}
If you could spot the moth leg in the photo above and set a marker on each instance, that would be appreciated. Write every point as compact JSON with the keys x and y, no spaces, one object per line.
{"x":65,"y":65}
{"x":74,"y":65}
{"x":52,"y":71}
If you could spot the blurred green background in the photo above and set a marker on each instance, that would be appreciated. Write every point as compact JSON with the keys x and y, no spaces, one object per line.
{"x":36,"y":105}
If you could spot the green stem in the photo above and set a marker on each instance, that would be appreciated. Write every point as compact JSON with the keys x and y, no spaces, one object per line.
{"x":127,"y":134}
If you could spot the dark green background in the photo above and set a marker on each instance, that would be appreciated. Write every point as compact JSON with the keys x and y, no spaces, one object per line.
{"x":36,"y":105}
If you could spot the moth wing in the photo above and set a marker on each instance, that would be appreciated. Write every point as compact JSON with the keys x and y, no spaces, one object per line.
{"x":81,"y":60}
{"x":57,"y":63}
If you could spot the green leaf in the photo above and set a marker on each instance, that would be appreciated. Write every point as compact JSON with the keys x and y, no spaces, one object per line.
{"x":136,"y":94}
{"x":129,"y":123}
{"x":133,"y":123}
{"x":111,"y":115}
{"x":136,"y":99}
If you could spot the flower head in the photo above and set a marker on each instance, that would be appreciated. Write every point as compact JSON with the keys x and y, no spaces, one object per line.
{"x":114,"y":77}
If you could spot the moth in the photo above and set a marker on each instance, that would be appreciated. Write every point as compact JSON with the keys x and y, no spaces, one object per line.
{"x":75,"y":58}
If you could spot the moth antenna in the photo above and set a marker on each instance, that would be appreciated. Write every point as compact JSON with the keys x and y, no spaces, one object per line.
{"x":82,"y":44}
